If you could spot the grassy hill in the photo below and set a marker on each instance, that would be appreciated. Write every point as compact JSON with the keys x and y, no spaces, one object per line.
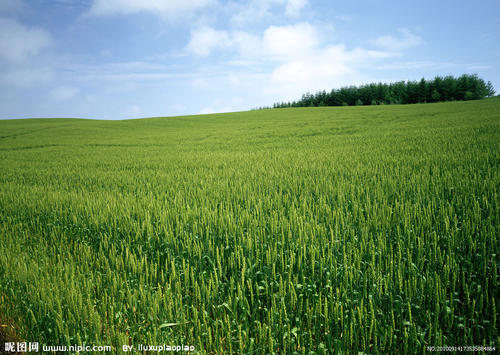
{"x":370,"y":229}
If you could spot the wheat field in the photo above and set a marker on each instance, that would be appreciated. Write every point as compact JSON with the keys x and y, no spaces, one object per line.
{"x":290,"y":231}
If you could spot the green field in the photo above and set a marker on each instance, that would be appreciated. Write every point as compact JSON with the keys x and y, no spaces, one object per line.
{"x":307,"y":230}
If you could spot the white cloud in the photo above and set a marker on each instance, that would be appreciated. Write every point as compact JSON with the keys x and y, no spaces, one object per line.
{"x":204,"y":40}
{"x":322,"y":63}
{"x":405,"y":40}
{"x":294,"y":7}
{"x":247,"y":45}
{"x":166,"y":8}
{"x":64,"y":93}
{"x":277,"y":42}
{"x":320,"y":68}
{"x":260,"y":10}
{"x":283,"y":61}
{"x":252,"y":11}
{"x":17,"y":41}
{"x":290,"y":41}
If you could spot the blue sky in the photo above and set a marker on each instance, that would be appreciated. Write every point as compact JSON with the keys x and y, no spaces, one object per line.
{"x":116,"y":59}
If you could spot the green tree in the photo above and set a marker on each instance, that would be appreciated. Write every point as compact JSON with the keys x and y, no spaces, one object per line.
{"x":490,"y":90}
{"x":449,"y":88}
{"x":469,"y":95}
{"x":423,"y":88}
{"x":435,"y":96}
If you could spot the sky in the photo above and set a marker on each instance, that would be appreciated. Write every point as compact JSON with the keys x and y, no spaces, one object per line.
{"x":120,"y":59}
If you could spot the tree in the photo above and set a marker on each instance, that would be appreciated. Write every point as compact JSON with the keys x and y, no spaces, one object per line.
{"x":437,"y":84}
{"x":462,"y":86}
{"x":412,"y":90}
{"x":449,"y":88}
{"x":490,"y":90}
{"x":435,"y":96}
{"x":382,"y":90}
{"x":399,"y":92}
{"x":423,"y":88}
{"x":469,"y":95}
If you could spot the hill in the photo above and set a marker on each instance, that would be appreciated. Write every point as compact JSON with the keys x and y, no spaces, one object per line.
{"x":370,"y":228}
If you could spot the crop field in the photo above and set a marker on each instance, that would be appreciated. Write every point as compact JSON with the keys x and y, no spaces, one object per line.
{"x":290,"y":231}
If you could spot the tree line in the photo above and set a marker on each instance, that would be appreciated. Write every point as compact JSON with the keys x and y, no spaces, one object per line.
{"x":448,"y":88}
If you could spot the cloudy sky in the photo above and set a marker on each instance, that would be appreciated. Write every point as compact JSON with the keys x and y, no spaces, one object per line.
{"x":115,"y":59}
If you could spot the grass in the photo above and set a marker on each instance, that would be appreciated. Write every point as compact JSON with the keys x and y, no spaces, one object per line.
{"x":312,"y":230}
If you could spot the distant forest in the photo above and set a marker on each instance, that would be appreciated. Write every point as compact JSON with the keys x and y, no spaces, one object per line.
{"x":448,"y":88}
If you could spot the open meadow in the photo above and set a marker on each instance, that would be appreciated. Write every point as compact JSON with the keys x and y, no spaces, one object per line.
{"x":303,"y":230}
